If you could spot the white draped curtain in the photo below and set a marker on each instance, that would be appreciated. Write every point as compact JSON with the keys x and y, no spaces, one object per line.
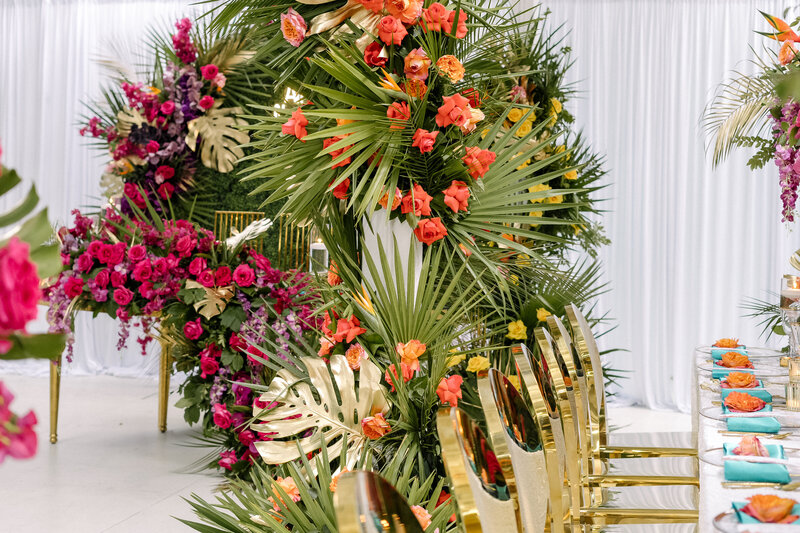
{"x":689,"y":243}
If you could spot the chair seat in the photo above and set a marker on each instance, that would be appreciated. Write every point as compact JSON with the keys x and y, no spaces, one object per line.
{"x":657,"y":466}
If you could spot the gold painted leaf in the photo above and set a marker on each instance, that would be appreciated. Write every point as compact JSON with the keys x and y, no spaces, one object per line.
{"x":220,"y":138}
{"x":126,"y":118}
{"x":336,"y":420}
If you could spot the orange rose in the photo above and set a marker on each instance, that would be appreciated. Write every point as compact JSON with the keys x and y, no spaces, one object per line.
{"x":451,"y":67}
{"x":461,"y":25}
{"x":455,"y":196}
{"x":423,"y":516}
{"x":375,"y":427}
{"x":741,"y":402}
{"x":434,"y":17}
{"x":424,"y":140}
{"x":770,"y":509}
{"x":325,"y":346}
{"x":449,"y":390}
{"x":454,"y":110}
{"x":751,"y":446}
{"x":406,"y":10}
{"x":739,"y":380}
{"x":735,"y":360}
{"x":335,"y":480}
{"x":355,"y":354}
{"x":787,"y":53}
{"x":376,"y":6}
{"x":410,"y":352}
{"x":290,"y":488}
{"x":391,"y":30}
{"x":478,"y":161}
{"x":391,"y":372}
{"x":430,"y":230}
{"x":398,"y":113}
{"x":398,"y":196}
{"x":417,"y":64}
{"x":333,"y":274}
{"x":416,"y":201}
{"x":340,"y":191}
{"x":336,"y":153}
{"x":726,"y":343}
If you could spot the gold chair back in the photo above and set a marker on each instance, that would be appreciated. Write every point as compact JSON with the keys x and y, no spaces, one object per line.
{"x":225,"y":222}
{"x":367,"y":503}
{"x":294,"y":242}
{"x":479,"y":487}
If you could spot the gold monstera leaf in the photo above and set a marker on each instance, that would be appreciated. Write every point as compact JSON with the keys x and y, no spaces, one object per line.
{"x":126,"y":118}
{"x":220,"y":137}
{"x":306,"y":418}
{"x":794,"y":260}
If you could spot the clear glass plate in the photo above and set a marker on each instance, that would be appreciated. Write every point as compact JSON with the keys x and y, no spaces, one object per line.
{"x":713,"y":456}
{"x":727,"y":522}
{"x":754,"y":351}
{"x":761,"y":370}
{"x":788,"y":420}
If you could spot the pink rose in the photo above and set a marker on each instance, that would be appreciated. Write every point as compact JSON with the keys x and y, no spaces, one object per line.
{"x":219,"y":80}
{"x":143,"y":271}
{"x":165,"y":190}
{"x":152,"y":147}
{"x":19,"y":286}
{"x":84,"y":262}
{"x":73,"y":287}
{"x":185,"y":245}
{"x":102,"y":278}
{"x":117,"y":254}
{"x":123,"y":296}
{"x":417,"y":64}
{"x":94,"y":248}
{"x":197,"y":265}
{"x":246,"y":437}
{"x":164,"y":173}
{"x":206,"y":102}
{"x":208,"y":366}
{"x":293,"y":27}
{"x":424,"y":140}
{"x":236,"y":343}
{"x":223,"y":276}
{"x":227,"y":459}
{"x":118,"y":279}
{"x":222,"y":417}
{"x":244,"y":276}
{"x":209,"y":71}
{"x":206,"y":278}
{"x":192,"y":329}
{"x":136,"y":253}
{"x":168,"y":107}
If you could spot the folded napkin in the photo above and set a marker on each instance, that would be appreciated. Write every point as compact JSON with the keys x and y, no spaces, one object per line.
{"x":758,"y":393}
{"x":745,"y":518}
{"x":716,"y":353}
{"x":720,"y":372}
{"x":761,"y":472}
{"x":767,"y":424}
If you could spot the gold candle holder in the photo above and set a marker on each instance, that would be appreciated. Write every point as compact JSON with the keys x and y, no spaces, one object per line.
{"x":794,"y":368}
{"x":785,"y":361}
{"x":793,"y":396}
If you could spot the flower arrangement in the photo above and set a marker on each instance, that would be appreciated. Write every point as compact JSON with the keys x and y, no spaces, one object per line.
{"x":17,"y":436}
{"x":158,"y":134}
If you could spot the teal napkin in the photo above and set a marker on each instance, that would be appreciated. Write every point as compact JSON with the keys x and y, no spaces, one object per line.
{"x":716,"y":353}
{"x":761,"y":472}
{"x":745,"y":518}
{"x":764,"y":424}
{"x":719,"y":372}
{"x":758,"y":393}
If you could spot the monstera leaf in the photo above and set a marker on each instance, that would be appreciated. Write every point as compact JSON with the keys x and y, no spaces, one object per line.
{"x":220,"y":138}
{"x":308,"y":412}
{"x":127,"y":118}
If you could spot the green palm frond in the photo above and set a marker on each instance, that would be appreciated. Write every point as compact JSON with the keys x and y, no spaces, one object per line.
{"x":767,"y":313}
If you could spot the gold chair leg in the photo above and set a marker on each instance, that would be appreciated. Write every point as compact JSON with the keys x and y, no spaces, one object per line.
{"x":622,"y":452}
{"x":607,"y":516}
{"x":641,"y":481}
{"x":55,"y":390}
{"x":163,"y":385}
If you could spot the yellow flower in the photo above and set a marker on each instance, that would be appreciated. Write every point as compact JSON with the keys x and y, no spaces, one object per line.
{"x":478,"y":364}
{"x":513,"y":278}
{"x":517,"y":330}
{"x":541,"y":187}
{"x":155,"y":90}
{"x":484,"y":133}
{"x":525,"y":129}
{"x":537,"y":213}
{"x":555,"y":106}
{"x":560,"y":148}
{"x":515,"y":114}
{"x":525,"y":164}
{"x":524,"y":260}
{"x":542,"y":314}
{"x":577,"y":228}
{"x":555,"y":199}
{"x":514,"y":381}
{"x":453,"y":360}
{"x":571,"y":175}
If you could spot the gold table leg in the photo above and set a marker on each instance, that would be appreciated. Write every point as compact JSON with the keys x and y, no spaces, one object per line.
{"x":55,"y":389}
{"x":163,"y":385}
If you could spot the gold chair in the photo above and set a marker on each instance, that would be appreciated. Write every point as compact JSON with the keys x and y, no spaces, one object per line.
{"x":482,"y":482}
{"x":366,"y":503}
{"x":539,"y":377}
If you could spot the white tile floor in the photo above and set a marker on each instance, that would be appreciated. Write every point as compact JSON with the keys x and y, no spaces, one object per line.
{"x":112,"y":471}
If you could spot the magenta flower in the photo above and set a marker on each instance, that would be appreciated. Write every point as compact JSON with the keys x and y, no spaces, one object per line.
{"x":206,"y":103}
{"x":192,"y":330}
{"x":227,"y":459}
{"x":152,"y":147}
{"x":222,"y":417}
{"x":244,"y":276}
{"x":209,"y":71}
{"x":167,"y":108}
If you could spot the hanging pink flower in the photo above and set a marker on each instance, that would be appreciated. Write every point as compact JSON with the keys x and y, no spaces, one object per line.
{"x":293,"y":27}
{"x":19,"y":286}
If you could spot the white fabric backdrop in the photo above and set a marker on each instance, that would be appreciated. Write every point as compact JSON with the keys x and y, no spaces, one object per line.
{"x":689,"y":243}
{"x":47,"y":60}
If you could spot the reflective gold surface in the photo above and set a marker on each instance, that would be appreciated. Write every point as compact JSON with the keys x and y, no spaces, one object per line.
{"x":367,"y":503}
{"x":55,"y":391}
{"x":165,"y":370}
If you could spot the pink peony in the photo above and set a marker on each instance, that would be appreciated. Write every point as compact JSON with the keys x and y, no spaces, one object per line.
{"x":244,"y":276}
{"x":73,"y":287}
{"x":222,"y":276}
{"x":424,"y":140}
{"x":192,"y":330}
{"x":227,"y":459}
{"x":167,"y":108}
{"x":209,"y":71}
{"x":293,"y":27}
{"x":455,"y":196}
{"x":391,"y":30}
{"x":136,"y":253}
{"x":206,"y":102}
{"x":123,"y":296}
{"x":197,"y":265}
{"x":19,"y":286}
{"x":222,"y":417}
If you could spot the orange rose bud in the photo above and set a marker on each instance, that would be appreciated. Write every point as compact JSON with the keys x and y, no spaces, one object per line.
{"x":335,"y":480}
{"x":375,"y":427}
{"x":398,"y":196}
{"x":735,"y":360}
{"x":739,"y":380}
{"x":751,"y":446}
{"x":410,"y":352}
{"x":726,"y":343}
{"x":771,"y":509}
{"x":741,"y":402}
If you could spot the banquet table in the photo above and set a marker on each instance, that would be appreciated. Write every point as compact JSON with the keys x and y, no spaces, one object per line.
{"x":714,"y":499}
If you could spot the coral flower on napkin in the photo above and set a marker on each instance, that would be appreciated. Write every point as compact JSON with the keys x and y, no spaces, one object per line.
{"x":739,"y":380}
{"x":726,"y":343}
{"x":735,"y":360}
{"x":742,"y":402}
{"x":770,"y":509}
{"x":751,"y":446}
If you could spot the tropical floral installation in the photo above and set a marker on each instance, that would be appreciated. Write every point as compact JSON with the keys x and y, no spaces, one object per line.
{"x":26,"y":256}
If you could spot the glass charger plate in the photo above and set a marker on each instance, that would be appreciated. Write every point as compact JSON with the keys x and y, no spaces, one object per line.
{"x":787,"y":419}
{"x":761,"y":370}
{"x":755,"y":351}
{"x":728,"y":523}
{"x":713,"y":456}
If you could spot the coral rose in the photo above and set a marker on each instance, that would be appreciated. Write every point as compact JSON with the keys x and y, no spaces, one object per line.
{"x":478,"y":161}
{"x":340,"y":191}
{"x":454,"y":110}
{"x":739,"y":380}
{"x":434,"y":17}
{"x":391,"y":30}
{"x":372,"y":55}
{"x":455,"y":196}
{"x":430,"y":230}
{"x":461,"y":25}
{"x":417,"y":64}
{"x":293,"y":27}
{"x":449,"y":390}
{"x":339,"y":151}
{"x":424,"y":140}
{"x":741,"y":402}
{"x":290,"y":488}
{"x":451,"y":67}
{"x":375,"y":427}
{"x":416,"y":201}
{"x":391,"y":372}
{"x":423,"y":516}
{"x":735,"y":360}
{"x":376,"y":6}
{"x":396,"y":199}
{"x":726,"y":343}
{"x":751,"y":446}
{"x":410,"y":352}
{"x":296,"y":125}
{"x":354,"y":355}
{"x":771,"y":509}
{"x":475,"y":116}
{"x":788,"y":53}
{"x":406,"y":10}
{"x":348,"y":329}
{"x":333,"y":274}
{"x":325,"y":346}
{"x":399,"y":113}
